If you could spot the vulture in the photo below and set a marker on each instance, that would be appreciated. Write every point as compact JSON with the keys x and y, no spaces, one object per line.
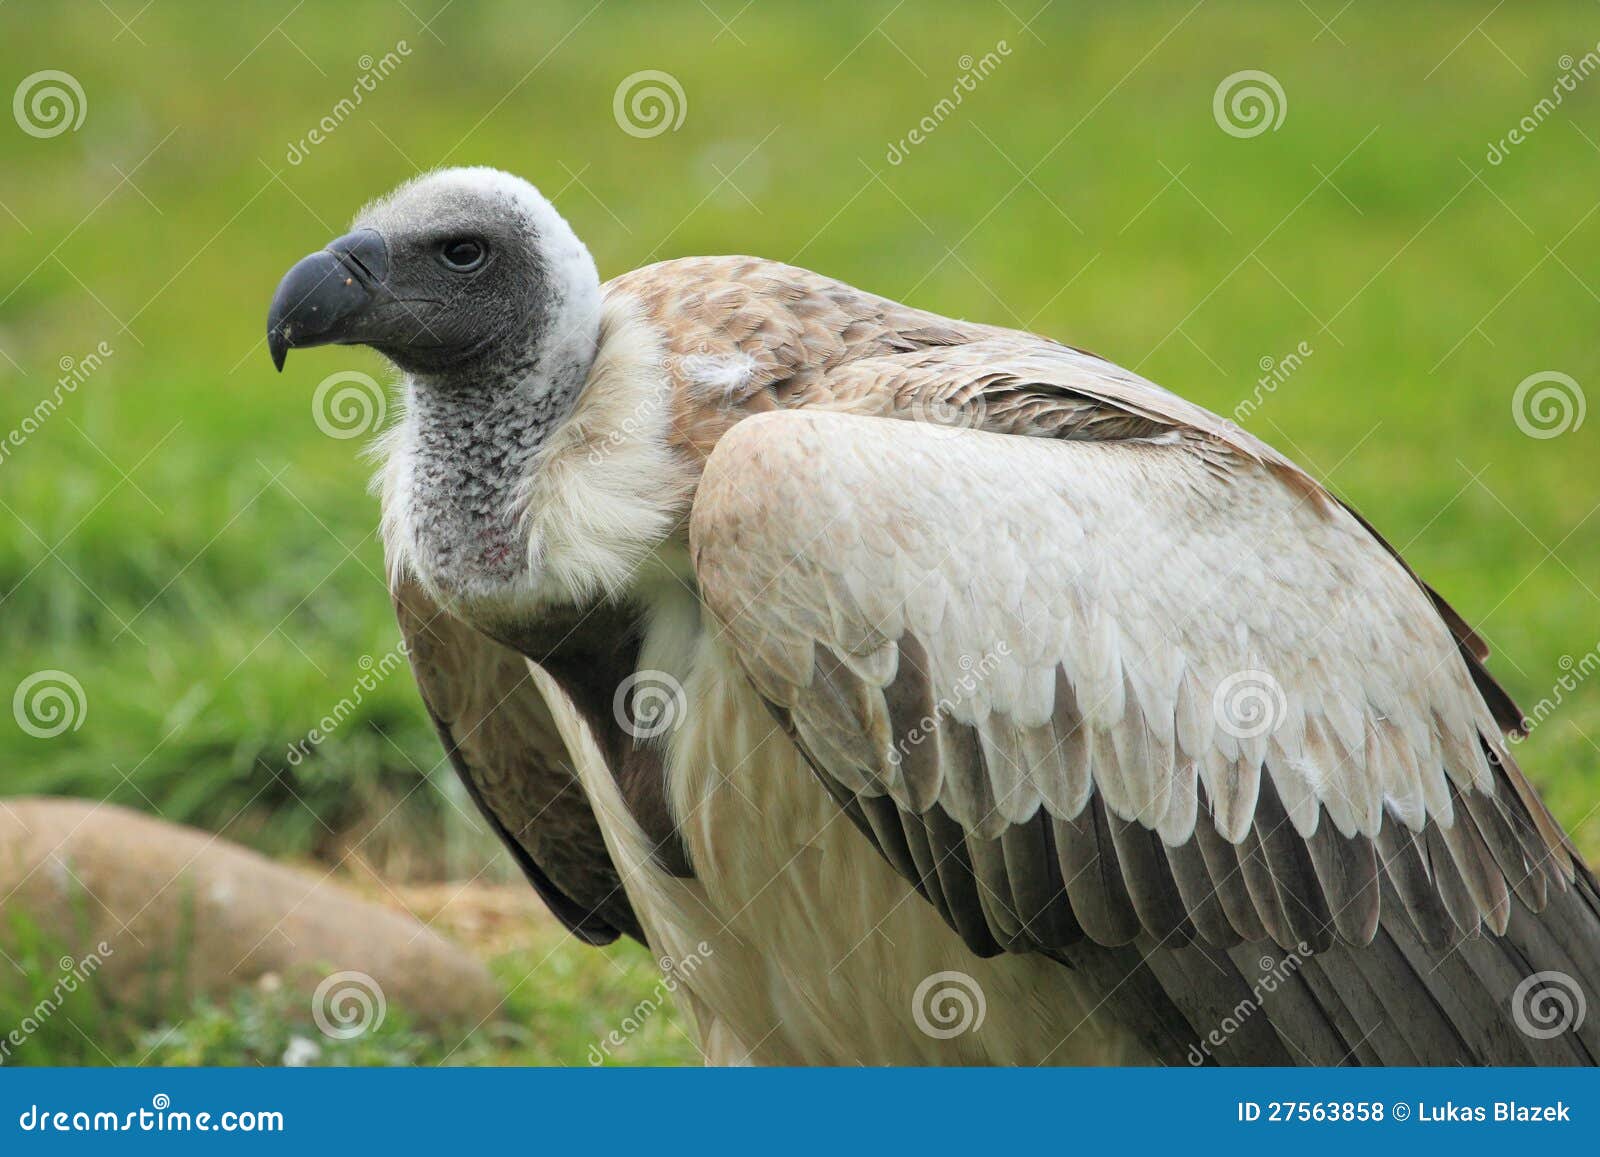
{"x":921,"y":691}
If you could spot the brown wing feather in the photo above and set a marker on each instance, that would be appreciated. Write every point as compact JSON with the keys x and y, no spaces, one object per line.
{"x":500,"y":736}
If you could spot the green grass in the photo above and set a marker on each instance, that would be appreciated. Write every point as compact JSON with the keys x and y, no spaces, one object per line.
{"x":565,"y":1004}
{"x":185,"y":543}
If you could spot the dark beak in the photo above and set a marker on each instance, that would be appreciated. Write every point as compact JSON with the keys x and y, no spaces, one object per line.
{"x":321,"y":300}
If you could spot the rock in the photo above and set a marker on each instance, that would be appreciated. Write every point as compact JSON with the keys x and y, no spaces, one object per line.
{"x":157,"y":912}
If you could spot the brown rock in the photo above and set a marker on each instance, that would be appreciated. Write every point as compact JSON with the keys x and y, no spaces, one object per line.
{"x":181,"y":913}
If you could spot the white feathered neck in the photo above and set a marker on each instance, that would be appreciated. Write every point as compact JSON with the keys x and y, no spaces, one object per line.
{"x":601,"y":494}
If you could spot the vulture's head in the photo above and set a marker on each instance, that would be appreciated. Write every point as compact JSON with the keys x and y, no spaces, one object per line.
{"x":455,"y":272}
{"x":472,"y":284}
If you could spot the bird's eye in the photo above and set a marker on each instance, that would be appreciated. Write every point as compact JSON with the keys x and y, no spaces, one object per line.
{"x":463,"y":254}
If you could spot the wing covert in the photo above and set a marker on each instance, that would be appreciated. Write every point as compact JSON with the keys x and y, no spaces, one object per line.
{"x":1076,"y":688}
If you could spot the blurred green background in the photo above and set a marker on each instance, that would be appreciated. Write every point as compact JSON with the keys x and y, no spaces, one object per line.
{"x":185,"y":542}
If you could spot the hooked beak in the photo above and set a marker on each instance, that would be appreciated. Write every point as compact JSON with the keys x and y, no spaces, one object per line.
{"x":321,"y":300}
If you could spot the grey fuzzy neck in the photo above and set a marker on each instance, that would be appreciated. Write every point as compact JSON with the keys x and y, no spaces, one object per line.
{"x":477,"y":432}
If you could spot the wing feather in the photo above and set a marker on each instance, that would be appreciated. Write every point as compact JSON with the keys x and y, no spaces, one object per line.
{"x":1138,"y":646}
{"x":502,"y":739}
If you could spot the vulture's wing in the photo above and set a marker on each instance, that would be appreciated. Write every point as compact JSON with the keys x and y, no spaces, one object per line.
{"x":500,"y":735}
{"x":1145,"y":704}
{"x":1019,"y":384}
